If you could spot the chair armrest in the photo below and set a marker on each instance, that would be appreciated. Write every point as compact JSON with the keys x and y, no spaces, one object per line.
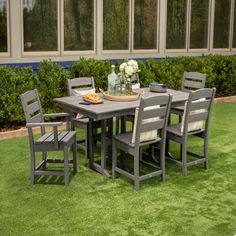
{"x":43,"y":124}
{"x":57,"y":115}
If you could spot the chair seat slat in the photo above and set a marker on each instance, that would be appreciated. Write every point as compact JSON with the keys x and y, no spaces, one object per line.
{"x":44,"y":137}
{"x":68,"y":136}
{"x":64,"y":137}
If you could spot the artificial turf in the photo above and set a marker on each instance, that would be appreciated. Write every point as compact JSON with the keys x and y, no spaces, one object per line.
{"x":203,"y":203}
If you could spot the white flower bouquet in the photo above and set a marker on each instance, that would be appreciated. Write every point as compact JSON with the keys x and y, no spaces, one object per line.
{"x":128,"y":69}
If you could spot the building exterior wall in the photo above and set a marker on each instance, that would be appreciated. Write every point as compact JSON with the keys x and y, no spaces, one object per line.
{"x":16,"y":52}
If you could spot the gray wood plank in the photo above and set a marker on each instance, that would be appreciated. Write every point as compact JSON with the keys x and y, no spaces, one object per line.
{"x":109,"y":109}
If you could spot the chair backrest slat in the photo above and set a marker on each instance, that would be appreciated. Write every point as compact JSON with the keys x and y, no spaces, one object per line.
{"x":202,"y":116}
{"x":157,"y":111}
{"x":29,"y":96}
{"x":191,"y":84}
{"x":154,"y":101}
{"x":32,"y":106}
{"x":202,"y":93}
{"x":197,"y":105}
{"x":193,"y":81}
{"x":81,"y":83}
{"x":152,"y":125}
{"x":35,"y":119}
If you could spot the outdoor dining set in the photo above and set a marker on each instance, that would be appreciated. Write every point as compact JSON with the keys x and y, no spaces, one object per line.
{"x":147,"y":139}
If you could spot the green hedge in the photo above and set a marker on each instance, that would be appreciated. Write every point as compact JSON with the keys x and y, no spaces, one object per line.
{"x":51,"y":78}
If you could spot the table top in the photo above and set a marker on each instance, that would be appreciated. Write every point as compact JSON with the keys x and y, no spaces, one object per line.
{"x":109,"y":109}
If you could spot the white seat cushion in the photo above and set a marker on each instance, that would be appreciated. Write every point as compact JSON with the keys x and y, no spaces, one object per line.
{"x":198,"y":125}
{"x":145,"y":136}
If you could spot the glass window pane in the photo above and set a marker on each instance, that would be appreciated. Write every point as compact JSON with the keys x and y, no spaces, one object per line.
{"x":221,"y":26}
{"x":78,"y":24}
{"x":40,"y":25}
{"x":145,"y":24}
{"x":115,"y":24}
{"x":199,"y":24}
{"x":3,"y":26}
{"x":234,"y":36}
{"x":176,"y":24}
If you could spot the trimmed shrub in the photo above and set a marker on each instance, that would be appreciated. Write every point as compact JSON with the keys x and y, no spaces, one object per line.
{"x":91,"y":67}
{"x":51,"y":78}
{"x":13,"y":81}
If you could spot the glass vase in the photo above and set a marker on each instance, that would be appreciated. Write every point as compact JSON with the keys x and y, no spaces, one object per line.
{"x":128,"y":88}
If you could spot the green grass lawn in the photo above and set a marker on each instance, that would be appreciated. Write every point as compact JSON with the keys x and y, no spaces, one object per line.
{"x":204,"y":203}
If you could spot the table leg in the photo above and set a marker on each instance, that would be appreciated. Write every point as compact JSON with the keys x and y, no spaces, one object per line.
{"x":90,"y":151}
{"x":167,"y":147}
{"x":93,"y":165}
{"x":103,"y":144}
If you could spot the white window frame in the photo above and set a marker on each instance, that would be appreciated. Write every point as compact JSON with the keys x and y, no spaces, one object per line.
{"x":41,"y":53}
{"x":156,"y":50}
{"x":233,"y":8}
{"x":213,"y":27}
{"x":182,"y":50}
{"x":208,"y":31}
{"x":187,"y":48}
{"x":8,"y":53}
{"x":79,"y":52}
{"x":112,"y":52}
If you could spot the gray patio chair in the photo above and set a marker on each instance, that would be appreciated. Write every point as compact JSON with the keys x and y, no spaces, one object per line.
{"x":195,"y":122}
{"x":191,"y":81}
{"x":121,"y":121}
{"x":49,"y":141}
{"x":150,"y":118}
{"x":80,"y":86}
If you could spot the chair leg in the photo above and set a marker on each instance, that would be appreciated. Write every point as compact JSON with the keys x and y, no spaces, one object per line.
{"x":206,"y":151}
{"x":136,"y":171}
{"x":162,"y":162}
{"x":184,"y":159}
{"x":86,"y":141}
{"x":32,"y":166}
{"x":180,"y":119}
{"x":66,"y":166}
{"x":95,"y":133}
{"x":181,"y":148}
{"x":123,"y":124}
{"x":75,"y":165}
{"x":44,"y":158}
{"x":141,"y":158}
{"x":114,"y":159}
{"x":117,"y":125}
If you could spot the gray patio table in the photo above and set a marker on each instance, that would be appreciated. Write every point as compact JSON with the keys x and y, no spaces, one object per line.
{"x":106,"y":111}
